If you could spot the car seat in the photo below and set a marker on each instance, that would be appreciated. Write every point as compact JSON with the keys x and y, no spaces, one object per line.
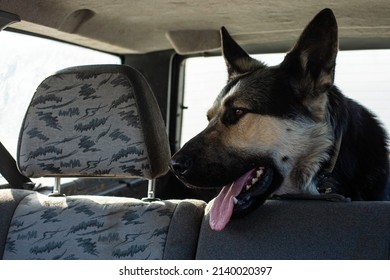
{"x":95,"y":121}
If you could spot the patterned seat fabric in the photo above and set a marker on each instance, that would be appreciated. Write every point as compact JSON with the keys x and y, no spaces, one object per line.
{"x":96,"y":227}
{"x":88,"y":227}
{"x":94,"y":121}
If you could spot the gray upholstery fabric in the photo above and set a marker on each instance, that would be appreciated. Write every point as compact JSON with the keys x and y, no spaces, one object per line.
{"x":96,"y":227}
{"x":302,"y":230}
{"x":94,"y":121}
{"x":9,"y":200}
{"x":184,"y":229}
{"x":88,"y":227}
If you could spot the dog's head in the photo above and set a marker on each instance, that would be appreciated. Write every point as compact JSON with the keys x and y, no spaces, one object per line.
{"x":268,"y":129}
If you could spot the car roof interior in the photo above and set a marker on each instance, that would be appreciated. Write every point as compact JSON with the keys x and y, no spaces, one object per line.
{"x":130,"y":27}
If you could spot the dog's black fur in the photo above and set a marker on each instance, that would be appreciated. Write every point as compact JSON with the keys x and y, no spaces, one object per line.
{"x":292,"y":120}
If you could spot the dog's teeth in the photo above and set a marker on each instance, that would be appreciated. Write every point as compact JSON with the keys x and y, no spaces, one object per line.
{"x":247,"y":187}
{"x":235,"y":200}
{"x":254,"y":180}
{"x":258,"y":173}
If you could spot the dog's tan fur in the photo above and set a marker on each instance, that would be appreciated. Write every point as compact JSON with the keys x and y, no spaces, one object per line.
{"x":296,"y":147}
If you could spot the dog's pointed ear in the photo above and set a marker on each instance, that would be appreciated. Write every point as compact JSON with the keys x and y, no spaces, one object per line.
{"x":237,"y":60}
{"x":312,"y":61}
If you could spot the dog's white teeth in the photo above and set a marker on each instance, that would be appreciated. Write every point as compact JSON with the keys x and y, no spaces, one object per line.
{"x":235,"y":200}
{"x":247,"y":187}
{"x":254,"y":180}
{"x":259,"y":172}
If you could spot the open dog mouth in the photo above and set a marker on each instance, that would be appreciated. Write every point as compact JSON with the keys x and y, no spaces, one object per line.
{"x":236,"y":199}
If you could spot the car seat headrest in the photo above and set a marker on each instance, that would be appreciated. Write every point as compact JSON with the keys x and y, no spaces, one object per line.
{"x":97,"y":120}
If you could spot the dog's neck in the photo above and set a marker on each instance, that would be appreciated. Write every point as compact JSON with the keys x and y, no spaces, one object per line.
{"x":335,"y":155}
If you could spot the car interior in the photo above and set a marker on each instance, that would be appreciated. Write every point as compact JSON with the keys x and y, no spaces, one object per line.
{"x":102,"y":134}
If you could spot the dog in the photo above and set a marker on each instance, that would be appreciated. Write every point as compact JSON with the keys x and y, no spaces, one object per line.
{"x":285,"y":129}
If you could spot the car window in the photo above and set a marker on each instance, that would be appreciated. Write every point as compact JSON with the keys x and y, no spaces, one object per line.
{"x":361,"y":75}
{"x":25,"y":61}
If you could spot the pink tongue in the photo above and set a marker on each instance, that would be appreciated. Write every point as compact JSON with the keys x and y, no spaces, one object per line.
{"x":222,"y":206}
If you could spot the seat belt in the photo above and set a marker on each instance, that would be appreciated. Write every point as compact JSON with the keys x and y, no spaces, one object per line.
{"x":10,"y":171}
{"x":7,"y":163}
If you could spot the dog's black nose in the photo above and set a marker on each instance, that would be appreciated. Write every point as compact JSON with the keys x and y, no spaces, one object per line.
{"x":180,"y":165}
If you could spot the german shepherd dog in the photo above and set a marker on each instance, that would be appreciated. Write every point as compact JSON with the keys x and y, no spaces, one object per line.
{"x":285,"y":129}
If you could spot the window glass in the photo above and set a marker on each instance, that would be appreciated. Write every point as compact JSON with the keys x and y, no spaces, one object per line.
{"x":360,"y":75}
{"x":25,"y":61}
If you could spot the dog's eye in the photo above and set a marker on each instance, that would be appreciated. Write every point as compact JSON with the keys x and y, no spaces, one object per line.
{"x":233,"y":115}
{"x":239,"y":112}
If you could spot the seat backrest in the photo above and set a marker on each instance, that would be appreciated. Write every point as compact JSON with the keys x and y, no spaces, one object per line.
{"x":96,"y":227}
{"x":95,"y":121}
{"x":303,"y":229}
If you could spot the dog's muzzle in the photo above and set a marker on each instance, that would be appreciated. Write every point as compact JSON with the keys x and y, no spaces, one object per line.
{"x":238,"y":196}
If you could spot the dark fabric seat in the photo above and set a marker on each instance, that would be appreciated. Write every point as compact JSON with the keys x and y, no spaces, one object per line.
{"x":298,"y":229}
